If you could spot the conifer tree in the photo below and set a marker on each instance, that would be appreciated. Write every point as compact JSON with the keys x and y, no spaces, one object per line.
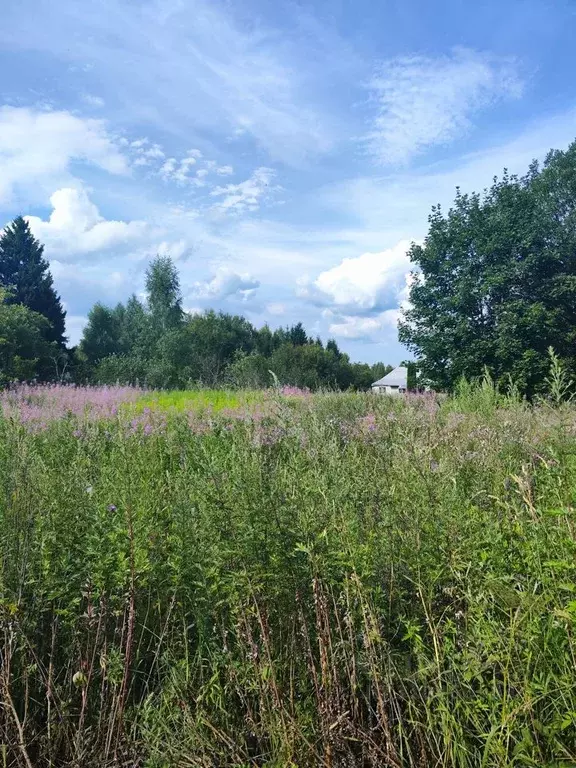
{"x":24,"y":273}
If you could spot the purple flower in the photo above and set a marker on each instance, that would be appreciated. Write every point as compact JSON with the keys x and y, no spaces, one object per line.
{"x":111,"y":507}
{"x":39,"y":405}
{"x":288,"y":391}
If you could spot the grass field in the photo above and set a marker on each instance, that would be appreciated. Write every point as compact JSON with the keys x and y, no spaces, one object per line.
{"x":279,"y":580}
{"x":200,"y":400}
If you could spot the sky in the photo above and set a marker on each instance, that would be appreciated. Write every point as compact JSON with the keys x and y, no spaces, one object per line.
{"x":284,"y":154}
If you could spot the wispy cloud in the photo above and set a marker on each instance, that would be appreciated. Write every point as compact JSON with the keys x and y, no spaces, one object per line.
{"x":247,"y":195}
{"x":93,"y":101}
{"x":186,"y":68}
{"x":192,"y":169}
{"x":144,"y":151}
{"x":422,"y":101}
{"x":179,"y":171}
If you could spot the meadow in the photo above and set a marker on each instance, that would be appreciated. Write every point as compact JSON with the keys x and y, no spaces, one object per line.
{"x":286,"y":580}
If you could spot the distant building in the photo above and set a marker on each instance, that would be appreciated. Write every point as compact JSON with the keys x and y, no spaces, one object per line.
{"x":394,"y":383}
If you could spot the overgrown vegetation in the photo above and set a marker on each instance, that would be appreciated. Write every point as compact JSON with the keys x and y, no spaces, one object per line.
{"x":304,"y":580}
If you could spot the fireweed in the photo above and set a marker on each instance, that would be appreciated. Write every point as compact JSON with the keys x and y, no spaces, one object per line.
{"x":286,"y":580}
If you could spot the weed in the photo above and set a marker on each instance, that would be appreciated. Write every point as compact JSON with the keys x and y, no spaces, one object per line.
{"x":285,"y":579}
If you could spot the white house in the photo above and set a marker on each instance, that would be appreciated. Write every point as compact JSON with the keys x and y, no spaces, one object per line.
{"x":394,"y":383}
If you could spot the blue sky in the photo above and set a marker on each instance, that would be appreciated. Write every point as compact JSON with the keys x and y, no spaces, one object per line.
{"x":284,"y":154}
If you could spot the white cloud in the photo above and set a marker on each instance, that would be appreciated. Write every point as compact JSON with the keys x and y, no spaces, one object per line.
{"x":191,"y":169}
{"x":247,"y":195}
{"x":423,"y":101}
{"x":179,"y":171}
{"x":227,"y":283}
{"x":188,"y":66}
{"x":75,"y":226}
{"x":363,"y":285}
{"x":176,"y":249}
{"x":37,"y":148}
{"x":145,"y":151}
{"x":364,"y":328}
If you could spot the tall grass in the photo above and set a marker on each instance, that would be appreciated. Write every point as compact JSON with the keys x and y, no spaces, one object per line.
{"x":184,"y":400}
{"x":334,"y":580}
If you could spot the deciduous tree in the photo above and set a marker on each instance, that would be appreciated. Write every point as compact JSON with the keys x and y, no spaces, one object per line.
{"x":495,"y":281}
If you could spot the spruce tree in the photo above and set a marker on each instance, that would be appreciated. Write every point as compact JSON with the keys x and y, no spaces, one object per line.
{"x":24,"y":273}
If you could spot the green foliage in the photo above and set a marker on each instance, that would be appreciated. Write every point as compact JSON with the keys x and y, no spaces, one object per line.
{"x":164,"y":296}
{"x":560,"y":386}
{"x":497,"y":281}
{"x":335,"y":579}
{"x":24,"y":273}
{"x":411,"y":374}
{"x":160,"y":346}
{"x":103,"y":333}
{"x":25,"y":353}
{"x":250,"y":371}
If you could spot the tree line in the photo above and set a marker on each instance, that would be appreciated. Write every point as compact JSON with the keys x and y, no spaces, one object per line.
{"x":153,"y":342}
{"x":156,"y":343}
{"x":494,"y":287}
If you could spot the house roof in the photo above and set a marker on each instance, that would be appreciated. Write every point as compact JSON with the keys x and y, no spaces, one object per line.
{"x":396,"y":378}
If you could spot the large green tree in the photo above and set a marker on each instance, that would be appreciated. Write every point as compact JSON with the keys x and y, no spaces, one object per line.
{"x":102,"y":334}
{"x":495,"y":283}
{"x":24,"y":352}
{"x":25,"y":274}
{"x":164,"y":295}
{"x":207,"y":343}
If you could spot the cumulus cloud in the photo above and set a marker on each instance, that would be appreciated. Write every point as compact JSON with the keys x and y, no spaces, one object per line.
{"x":38,"y":147}
{"x":227,"y":283}
{"x":75,"y":226}
{"x":362,"y":328}
{"x":365,"y":285}
{"x":371,"y":327}
{"x":422,"y":101}
{"x":247,"y":195}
